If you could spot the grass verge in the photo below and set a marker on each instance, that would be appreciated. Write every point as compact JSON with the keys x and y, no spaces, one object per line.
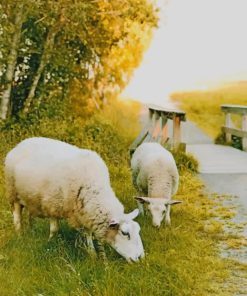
{"x":180,"y":260}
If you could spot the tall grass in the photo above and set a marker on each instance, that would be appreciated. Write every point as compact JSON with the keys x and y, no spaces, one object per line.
{"x":180,"y":260}
{"x":203,"y":107}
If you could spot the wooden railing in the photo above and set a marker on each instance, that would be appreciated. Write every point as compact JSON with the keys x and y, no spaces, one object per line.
{"x":156,"y":129}
{"x":229,"y":130}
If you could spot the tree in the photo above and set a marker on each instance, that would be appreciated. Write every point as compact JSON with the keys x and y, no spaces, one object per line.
{"x":57,"y":46}
{"x":11,"y":57}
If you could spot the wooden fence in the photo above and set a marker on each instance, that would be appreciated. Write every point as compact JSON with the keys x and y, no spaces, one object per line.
{"x":156,"y":129}
{"x":229,"y":130}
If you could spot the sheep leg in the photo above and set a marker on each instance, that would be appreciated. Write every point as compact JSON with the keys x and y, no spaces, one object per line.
{"x":140,"y":207}
{"x":89,"y":239}
{"x":101,"y":251}
{"x":17,"y":211}
{"x":30,"y":220}
{"x":85,"y":238}
{"x":167,"y":217}
{"x":53,"y":227}
{"x":90,"y":245}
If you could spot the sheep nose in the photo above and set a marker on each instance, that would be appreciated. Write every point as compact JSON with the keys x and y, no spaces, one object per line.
{"x":157,"y":226}
{"x":140,"y":257}
{"x":134,"y":259}
{"x":137,"y":259}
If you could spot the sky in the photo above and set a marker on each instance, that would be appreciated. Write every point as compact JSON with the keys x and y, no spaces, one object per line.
{"x":198,"y":43}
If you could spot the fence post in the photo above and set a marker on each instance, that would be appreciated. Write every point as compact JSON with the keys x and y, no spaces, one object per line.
{"x":151,"y":124}
{"x":164,"y":129}
{"x":228,"y":123}
{"x":176,"y":132}
{"x":156,"y":129}
{"x":244,"y":128}
{"x":156,"y":125}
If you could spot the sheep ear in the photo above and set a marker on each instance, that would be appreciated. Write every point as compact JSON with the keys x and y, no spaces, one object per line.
{"x":142,"y":199}
{"x":132,"y":215}
{"x":174,"y":202}
{"x":113,"y":224}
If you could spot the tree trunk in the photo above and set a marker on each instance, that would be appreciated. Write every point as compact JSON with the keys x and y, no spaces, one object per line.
{"x":95,"y":103}
{"x":11,"y":63}
{"x":44,"y":59}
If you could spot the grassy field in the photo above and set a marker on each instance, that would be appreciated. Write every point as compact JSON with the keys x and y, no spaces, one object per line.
{"x":180,"y":260}
{"x":203,"y":107}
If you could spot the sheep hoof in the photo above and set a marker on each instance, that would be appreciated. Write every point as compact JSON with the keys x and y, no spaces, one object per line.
{"x":168,"y":222}
{"x":80,"y":242}
{"x":92,"y":254}
{"x":102,"y":257}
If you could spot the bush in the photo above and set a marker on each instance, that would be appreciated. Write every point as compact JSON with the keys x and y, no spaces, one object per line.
{"x":185,"y":162}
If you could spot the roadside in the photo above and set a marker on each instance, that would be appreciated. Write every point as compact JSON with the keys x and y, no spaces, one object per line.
{"x":223,"y":170}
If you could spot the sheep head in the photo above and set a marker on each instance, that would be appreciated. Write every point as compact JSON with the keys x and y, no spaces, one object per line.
{"x":123,"y":235}
{"x":158,"y":207}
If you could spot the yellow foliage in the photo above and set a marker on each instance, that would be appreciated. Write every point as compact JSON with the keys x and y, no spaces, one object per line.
{"x":81,"y":103}
{"x":203,"y":107}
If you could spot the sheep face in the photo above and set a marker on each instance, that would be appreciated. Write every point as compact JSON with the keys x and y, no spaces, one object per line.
{"x":159,"y":208}
{"x":124,"y":237}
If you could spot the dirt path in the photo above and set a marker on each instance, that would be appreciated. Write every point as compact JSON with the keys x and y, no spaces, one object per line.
{"x":223,"y":170}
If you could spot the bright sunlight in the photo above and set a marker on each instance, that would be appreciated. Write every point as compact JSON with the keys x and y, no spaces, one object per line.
{"x":199,"y":43}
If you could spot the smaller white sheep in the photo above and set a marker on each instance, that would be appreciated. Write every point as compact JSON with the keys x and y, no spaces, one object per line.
{"x":56,"y":180}
{"x":155,"y":175}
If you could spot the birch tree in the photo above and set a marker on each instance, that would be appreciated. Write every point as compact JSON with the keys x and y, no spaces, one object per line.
{"x":11,"y":59}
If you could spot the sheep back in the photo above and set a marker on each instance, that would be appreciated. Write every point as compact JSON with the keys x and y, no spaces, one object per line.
{"x":154,"y":170}
{"x":54,"y":179}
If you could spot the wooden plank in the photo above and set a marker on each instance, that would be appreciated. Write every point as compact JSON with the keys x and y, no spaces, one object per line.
{"x":139,"y":139}
{"x":234,"y":132}
{"x":159,"y":108}
{"x":150,"y":114}
{"x":176,"y":132}
{"x":152,"y":119}
{"x":228,"y":123}
{"x":148,"y":138}
{"x":156,"y":126}
{"x":244,"y":128}
{"x":164,"y":131}
{"x":236,"y":109}
{"x":168,"y":112}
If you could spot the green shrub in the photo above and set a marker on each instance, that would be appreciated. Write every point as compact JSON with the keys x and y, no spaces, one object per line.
{"x":185,"y":162}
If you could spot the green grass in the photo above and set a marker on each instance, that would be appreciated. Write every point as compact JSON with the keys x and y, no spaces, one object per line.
{"x":203,"y":107}
{"x":180,"y":260}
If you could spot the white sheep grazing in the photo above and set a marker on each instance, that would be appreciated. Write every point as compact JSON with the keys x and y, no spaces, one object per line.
{"x":155,"y":175}
{"x":56,"y":180}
